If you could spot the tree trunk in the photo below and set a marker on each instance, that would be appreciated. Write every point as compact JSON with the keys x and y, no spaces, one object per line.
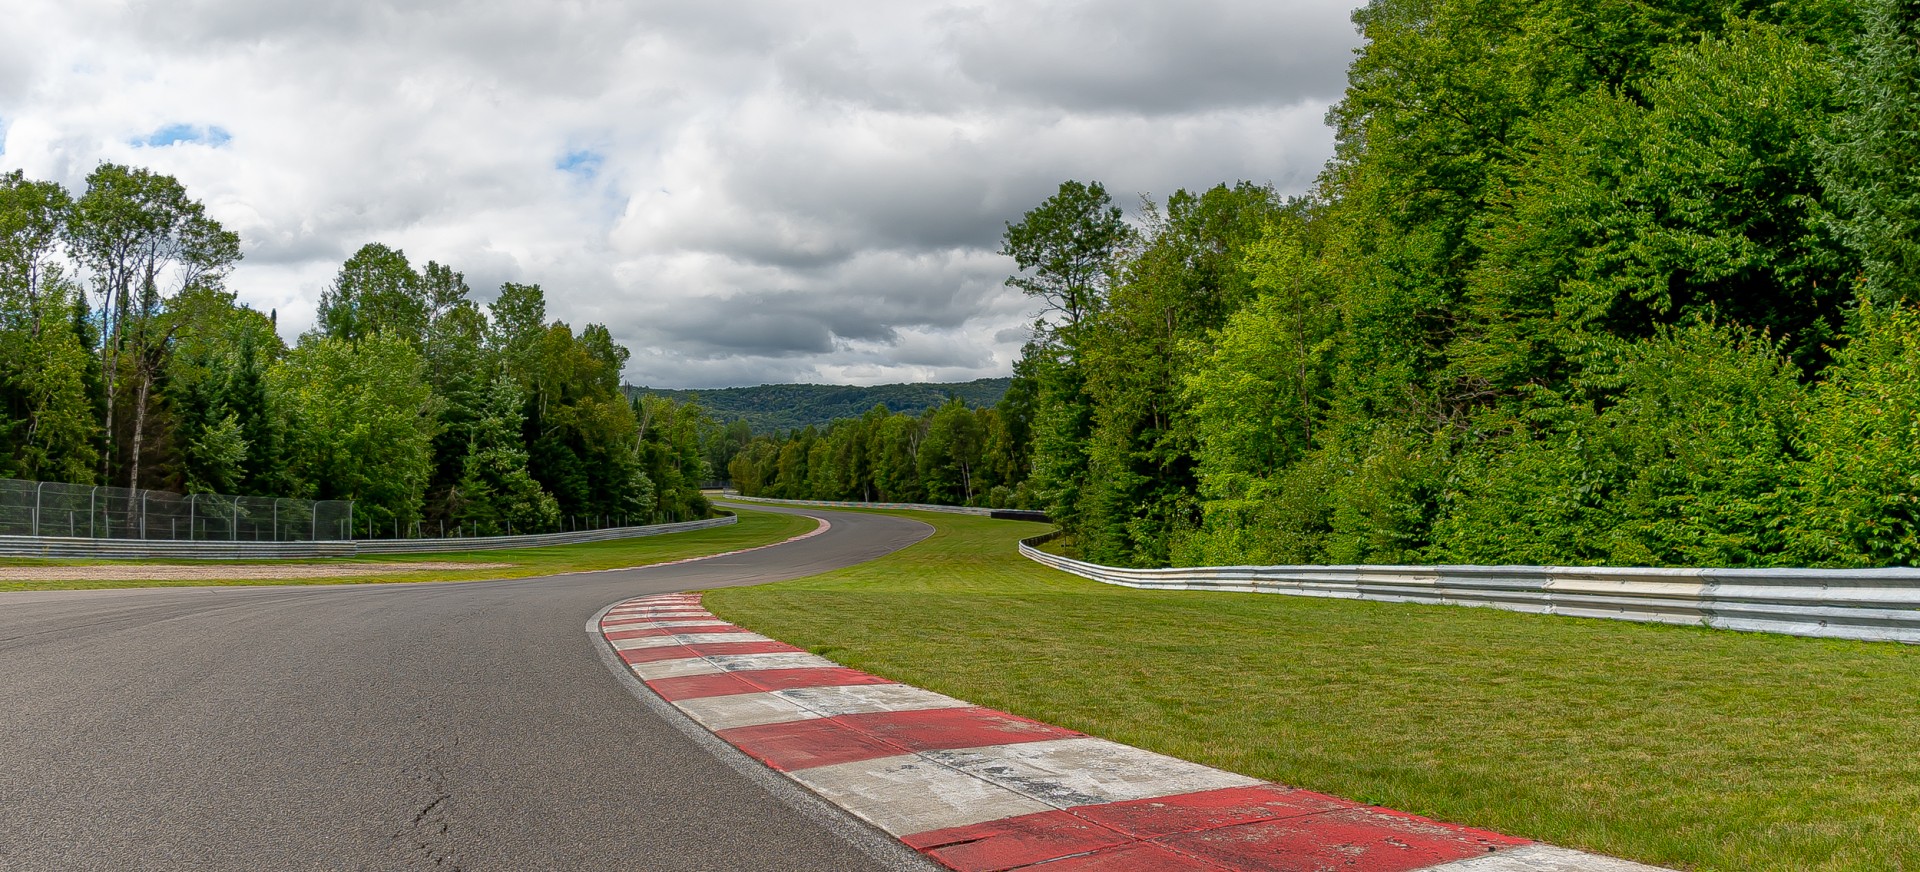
{"x":139,"y":426}
{"x":109,"y":314}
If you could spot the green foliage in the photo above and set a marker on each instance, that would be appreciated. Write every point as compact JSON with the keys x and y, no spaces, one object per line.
{"x":407,"y":397}
{"x":952,"y":454}
{"x":1065,"y":249}
{"x":1862,"y":444}
{"x":376,"y":291}
{"x":360,"y":420}
{"x":1693,"y":466}
{"x":773,"y":409}
{"x":1567,"y":293}
{"x":496,"y":493}
{"x":1873,"y":148}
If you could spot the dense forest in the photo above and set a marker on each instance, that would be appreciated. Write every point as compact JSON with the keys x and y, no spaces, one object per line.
{"x":769,"y":409}
{"x":125,"y":361}
{"x":1585,"y":283}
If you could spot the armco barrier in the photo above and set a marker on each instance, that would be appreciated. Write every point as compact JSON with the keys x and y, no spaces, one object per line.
{"x":81,"y":547}
{"x":834,"y":504}
{"x":998,"y":514}
{"x":1867,"y":604}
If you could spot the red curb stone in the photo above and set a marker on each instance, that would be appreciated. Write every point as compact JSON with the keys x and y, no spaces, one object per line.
{"x":1137,"y":857}
{"x":698,"y":686}
{"x":806,"y":744}
{"x":847,"y":738}
{"x":758,"y":681}
{"x":649,"y":632}
{"x":1008,"y":843}
{"x":944,"y":728}
{"x":680,"y":652}
{"x":809,"y":676}
{"x":1359,"y":839}
{"x":631,"y":656}
{"x":1209,"y":809}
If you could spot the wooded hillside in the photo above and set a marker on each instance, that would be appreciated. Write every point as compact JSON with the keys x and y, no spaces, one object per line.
{"x":1607,"y":282}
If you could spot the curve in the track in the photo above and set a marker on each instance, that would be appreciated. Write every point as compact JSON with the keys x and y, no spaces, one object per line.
{"x":443,"y":726}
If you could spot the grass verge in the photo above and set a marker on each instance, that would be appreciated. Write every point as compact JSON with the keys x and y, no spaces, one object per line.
{"x":1679,"y":746}
{"x":754,"y":529}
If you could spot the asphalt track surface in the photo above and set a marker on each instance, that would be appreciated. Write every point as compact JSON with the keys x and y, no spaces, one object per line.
{"x":445,"y":726}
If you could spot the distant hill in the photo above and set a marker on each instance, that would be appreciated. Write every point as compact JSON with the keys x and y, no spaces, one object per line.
{"x":770,"y":408}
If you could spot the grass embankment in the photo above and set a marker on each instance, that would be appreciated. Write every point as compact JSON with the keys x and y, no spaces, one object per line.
{"x":754,"y":529}
{"x":1679,"y":746}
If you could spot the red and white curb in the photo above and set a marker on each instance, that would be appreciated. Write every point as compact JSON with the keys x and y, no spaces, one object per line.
{"x":978,"y":790}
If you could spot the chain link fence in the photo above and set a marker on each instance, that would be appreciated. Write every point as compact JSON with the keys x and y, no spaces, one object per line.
{"x":45,"y":508}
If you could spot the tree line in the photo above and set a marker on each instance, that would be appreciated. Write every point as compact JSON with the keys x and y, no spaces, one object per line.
{"x":1584,"y":283}
{"x":126,"y":361}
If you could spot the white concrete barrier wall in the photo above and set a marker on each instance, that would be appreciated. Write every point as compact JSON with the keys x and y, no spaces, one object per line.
{"x":101,"y":549}
{"x":1867,"y":604}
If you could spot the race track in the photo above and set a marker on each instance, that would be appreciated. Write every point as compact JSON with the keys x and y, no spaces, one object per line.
{"x":455,"y":726}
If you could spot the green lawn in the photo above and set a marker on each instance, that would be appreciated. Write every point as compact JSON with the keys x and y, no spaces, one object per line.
{"x":1679,"y":746}
{"x":754,"y":529}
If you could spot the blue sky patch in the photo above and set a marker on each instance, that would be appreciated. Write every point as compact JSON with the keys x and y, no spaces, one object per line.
{"x":584,"y":163}
{"x":185,"y":134}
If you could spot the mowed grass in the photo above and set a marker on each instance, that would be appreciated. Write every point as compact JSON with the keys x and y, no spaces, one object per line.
{"x":1678,"y":746}
{"x":754,"y":529}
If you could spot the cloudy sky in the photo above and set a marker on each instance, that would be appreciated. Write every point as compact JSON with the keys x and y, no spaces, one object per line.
{"x":745,"y":192}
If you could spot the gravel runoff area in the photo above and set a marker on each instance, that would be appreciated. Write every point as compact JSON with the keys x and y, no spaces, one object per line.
{"x":152,"y":572}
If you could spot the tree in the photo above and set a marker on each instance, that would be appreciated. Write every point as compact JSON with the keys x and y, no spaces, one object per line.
{"x":496,"y":493}
{"x":950,"y":454}
{"x":376,"y":291}
{"x":223,"y":436}
{"x":142,"y":240}
{"x":1065,"y":250}
{"x":46,"y":416}
{"x":1184,"y":280}
{"x":1873,"y":149}
{"x":360,"y":420}
{"x":33,"y":217}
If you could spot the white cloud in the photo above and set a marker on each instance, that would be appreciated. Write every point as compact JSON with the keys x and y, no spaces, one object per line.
{"x":772,"y":191}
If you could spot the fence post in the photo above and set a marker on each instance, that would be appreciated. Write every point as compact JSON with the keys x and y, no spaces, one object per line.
{"x":143,"y":515}
{"x":276,"y":519}
{"x":92,"y":496}
{"x":233,"y":532}
{"x":349,"y":519}
{"x":37,"y":488}
{"x":193,"y":502}
{"x":313,"y":523}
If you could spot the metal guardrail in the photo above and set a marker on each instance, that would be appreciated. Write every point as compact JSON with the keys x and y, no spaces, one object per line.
{"x":843,"y":504}
{"x":81,"y":547}
{"x":1868,"y":604}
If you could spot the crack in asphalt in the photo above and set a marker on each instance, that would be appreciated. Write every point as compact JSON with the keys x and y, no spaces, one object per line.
{"x":426,"y":841}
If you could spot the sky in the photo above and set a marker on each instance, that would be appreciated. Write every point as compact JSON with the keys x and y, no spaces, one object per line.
{"x":748,"y":192}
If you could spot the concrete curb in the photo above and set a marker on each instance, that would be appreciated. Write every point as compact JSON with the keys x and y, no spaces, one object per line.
{"x":982,"y":790}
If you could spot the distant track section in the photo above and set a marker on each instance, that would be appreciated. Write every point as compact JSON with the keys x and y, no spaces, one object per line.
{"x":999,"y":514}
{"x":134,"y":549}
